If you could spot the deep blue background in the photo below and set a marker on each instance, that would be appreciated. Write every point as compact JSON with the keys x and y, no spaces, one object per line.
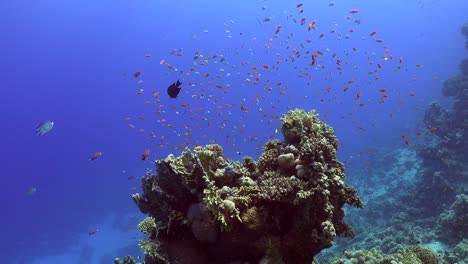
{"x":72,"y":62}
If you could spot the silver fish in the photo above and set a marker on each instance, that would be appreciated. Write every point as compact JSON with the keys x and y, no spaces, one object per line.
{"x":44,"y":127}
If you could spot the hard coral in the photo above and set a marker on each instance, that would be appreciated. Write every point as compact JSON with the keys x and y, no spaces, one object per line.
{"x":268,"y":160}
{"x":126,"y":260}
{"x":453,"y":223}
{"x":411,"y":255}
{"x":212,"y":209}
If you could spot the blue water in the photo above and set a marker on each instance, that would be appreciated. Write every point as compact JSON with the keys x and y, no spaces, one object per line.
{"x":73,"y":62}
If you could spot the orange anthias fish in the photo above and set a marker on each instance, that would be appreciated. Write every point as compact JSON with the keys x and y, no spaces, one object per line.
{"x":357,"y":95}
{"x":95,"y":156}
{"x":145,"y":154}
{"x":92,"y":232}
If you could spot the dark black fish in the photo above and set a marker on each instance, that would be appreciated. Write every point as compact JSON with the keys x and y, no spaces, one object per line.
{"x":173,"y":90}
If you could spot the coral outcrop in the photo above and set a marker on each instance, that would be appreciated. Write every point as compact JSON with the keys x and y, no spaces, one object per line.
{"x":445,"y":159}
{"x":285,"y":208}
{"x":453,"y":223}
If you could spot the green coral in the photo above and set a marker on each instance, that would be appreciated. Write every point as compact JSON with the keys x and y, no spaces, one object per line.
{"x":211,"y":158}
{"x":150,"y":249}
{"x":126,"y":260}
{"x":215,"y":204}
{"x":148,"y":226}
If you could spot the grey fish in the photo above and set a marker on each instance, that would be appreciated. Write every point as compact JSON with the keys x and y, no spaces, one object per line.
{"x":44,"y":127}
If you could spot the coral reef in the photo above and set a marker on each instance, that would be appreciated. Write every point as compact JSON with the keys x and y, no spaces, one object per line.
{"x":453,"y":223}
{"x":465,"y":32}
{"x":411,"y":255}
{"x":459,"y":254}
{"x":445,"y":160}
{"x":415,"y":196}
{"x":285,"y":208}
{"x":126,"y":260}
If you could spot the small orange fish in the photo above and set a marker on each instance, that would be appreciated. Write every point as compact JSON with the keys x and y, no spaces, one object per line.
{"x":95,"y":156}
{"x":299,"y":5}
{"x":278,"y":28}
{"x":357,"y":95}
{"x":418,"y":133}
{"x":303,"y":21}
{"x":382,"y":90}
{"x":432,"y":130}
{"x":145,"y":154}
{"x":372,"y":33}
{"x":244,"y":109}
{"x":379,"y":40}
{"x":136,"y":74}
{"x":353,"y":11}
{"x":92,"y":232}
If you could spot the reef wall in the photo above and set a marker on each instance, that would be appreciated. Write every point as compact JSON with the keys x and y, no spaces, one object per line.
{"x":445,"y":160}
{"x":285,"y":208}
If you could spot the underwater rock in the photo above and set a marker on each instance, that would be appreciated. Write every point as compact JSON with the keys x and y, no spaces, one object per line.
{"x":436,"y":116}
{"x":465,"y":30}
{"x":464,"y":70}
{"x":286,"y":161}
{"x":453,"y":223}
{"x":455,"y":85}
{"x":268,"y":211}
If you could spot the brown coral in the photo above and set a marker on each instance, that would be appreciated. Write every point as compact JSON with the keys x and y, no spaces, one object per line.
{"x":286,"y":208}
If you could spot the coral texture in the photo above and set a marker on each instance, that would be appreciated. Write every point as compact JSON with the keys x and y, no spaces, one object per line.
{"x":284,"y":209}
{"x":411,"y":255}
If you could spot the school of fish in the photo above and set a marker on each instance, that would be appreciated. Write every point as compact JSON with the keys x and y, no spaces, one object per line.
{"x":210,"y":102}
